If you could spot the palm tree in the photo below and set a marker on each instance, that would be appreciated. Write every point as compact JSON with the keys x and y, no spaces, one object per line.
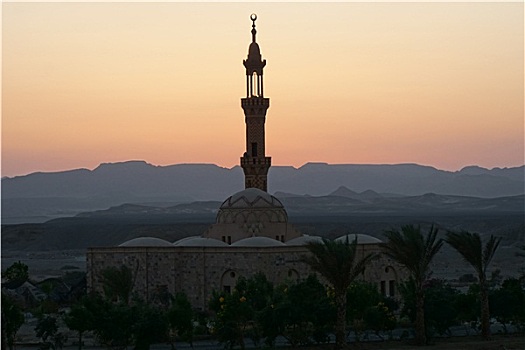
{"x":336,"y":262}
{"x":469,"y":246}
{"x":413,"y":251}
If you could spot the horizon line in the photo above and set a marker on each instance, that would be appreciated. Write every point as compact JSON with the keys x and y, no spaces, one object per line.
{"x":237,"y":165}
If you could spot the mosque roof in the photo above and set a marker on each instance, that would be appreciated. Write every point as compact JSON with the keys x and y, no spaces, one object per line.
{"x":251,"y":198}
{"x":146,"y":242}
{"x":258,"y":241}
{"x":361,"y":239}
{"x":303,"y":240}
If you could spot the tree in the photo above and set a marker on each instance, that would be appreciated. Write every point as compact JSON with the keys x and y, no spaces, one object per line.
{"x":149,"y":325}
{"x":18,"y":272}
{"x":113,"y":323}
{"x":465,"y":304}
{"x":469,"y":246}
{"x":118,"y":283}
{"x":310,"y":298}
{"x":368,"y":309}
{"x":233,"y":316}
{"x":409,"y":248}
{"x":381,"y":317}
{"x":336,"y":262}
{"x":440,"y":306}
{"x":180,"y":317}
{"x":12,"y":320}
{"x":117,"y":324}
{"x":360,"y":298}
{"x":273,"y":318}
{"x":48,"y":305}
{"x":301,"y":312}
{"x":46,"y":328}
{"x":80,"y":319}
{"x":236,"y":314}
{"x":258,"y":292}
{"x":508,"y":303}
{"x":119,"y":321}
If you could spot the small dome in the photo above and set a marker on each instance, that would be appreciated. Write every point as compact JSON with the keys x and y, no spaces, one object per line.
{"x":201,"y":242}
{"x":251,"y":198}
{"x":146,"y":242}
{"x":258,"y":241}
{"x":303,"y":240}
{"x":361,"y":239}
{"x":178,"y":242}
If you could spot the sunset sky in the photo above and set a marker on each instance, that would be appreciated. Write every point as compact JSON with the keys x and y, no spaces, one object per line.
{"x":439,"y":84}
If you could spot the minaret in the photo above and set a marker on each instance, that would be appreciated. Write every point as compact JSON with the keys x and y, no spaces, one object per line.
{"x":254,"y":162}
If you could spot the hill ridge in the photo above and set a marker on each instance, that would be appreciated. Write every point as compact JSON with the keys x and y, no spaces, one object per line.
{"x":55,"y":194}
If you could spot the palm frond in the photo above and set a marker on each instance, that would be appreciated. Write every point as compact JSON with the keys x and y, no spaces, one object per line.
{"x":411,"y":249}
{"x":360,"y":266}
{"x":489,"y":251}
{"x":469,"y":246}
{"x":335,"y":261}
{"x":431,"y":247}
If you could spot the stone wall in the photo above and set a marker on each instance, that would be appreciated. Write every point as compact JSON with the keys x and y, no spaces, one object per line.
{"x":197,"y":271}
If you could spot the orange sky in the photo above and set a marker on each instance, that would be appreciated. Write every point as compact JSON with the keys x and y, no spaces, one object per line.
{"x":438,"y":84}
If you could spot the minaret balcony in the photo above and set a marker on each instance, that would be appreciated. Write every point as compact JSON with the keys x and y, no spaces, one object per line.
{"x":257,"y":161}
{"x":255,"y":101}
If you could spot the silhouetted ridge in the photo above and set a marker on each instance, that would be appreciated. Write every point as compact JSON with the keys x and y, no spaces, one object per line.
{"x":42,"y":196}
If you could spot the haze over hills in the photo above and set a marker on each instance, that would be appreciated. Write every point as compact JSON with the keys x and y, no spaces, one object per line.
{"x":367,"y":203}
{"x":328,"y":216}
{"x":39,"y":197}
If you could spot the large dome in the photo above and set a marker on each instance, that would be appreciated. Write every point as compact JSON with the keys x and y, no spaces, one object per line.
{"x":251,"y":198}
{"x":250,"y":213}
{"x":250,"y":206}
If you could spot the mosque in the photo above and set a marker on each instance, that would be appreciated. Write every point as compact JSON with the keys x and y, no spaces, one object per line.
{"x":251,"y":233}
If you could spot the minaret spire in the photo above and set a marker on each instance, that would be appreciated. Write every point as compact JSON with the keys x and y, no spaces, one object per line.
{"x":254,"y":162}
{"x":253,"y":17}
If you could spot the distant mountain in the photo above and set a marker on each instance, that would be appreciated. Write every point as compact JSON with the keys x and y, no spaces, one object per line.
{"x":429,"y":204}
{"x":342,"y":191}
{"x":132,"y":211}
{"x":129,"y":182}
{"x":406,"y":179}
{"x":39,"y":197}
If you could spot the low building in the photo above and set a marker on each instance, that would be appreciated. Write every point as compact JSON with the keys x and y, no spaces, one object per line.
{"x":198,"y":265}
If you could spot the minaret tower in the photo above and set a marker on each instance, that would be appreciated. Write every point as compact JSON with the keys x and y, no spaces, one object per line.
{"x":254,"y":162}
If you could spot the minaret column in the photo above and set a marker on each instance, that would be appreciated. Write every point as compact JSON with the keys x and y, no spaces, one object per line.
{"x":254,"y":162}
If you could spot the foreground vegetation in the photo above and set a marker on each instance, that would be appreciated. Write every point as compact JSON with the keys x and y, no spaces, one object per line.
{"x":303,"y":312}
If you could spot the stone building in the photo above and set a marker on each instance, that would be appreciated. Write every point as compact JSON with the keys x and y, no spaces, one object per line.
{"x":251,"y":234}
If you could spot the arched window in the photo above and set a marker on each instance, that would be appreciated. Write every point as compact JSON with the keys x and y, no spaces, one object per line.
{"x":229,"y":280}
{"x":389,"y":281}
{"x":292,"y":275}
